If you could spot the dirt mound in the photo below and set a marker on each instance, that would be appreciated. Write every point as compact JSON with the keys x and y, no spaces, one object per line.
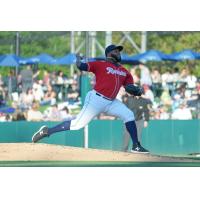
{"x":48,"y":152}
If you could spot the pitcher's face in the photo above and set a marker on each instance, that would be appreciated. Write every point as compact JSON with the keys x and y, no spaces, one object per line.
{"x":115,"y":54}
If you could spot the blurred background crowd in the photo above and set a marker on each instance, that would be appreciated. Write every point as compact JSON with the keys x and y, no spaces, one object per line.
{"x":53,"y":96}
{"x":41,"y":91}
{"x":49,"y":98}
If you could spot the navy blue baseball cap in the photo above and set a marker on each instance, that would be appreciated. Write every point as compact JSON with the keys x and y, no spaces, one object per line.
{"x":112,"y":47}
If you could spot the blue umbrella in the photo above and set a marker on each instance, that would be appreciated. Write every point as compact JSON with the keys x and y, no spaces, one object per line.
{"x":66,"y":60}
{"x":26,"y":61}
{"x":151,"y":55}
{"x":9,"y":60}
{"x":126,"y":59}
{"x":1,"y":57}
{"x":187,"y":54}
{"x":42,"y":59}
{"x":70,"y":59}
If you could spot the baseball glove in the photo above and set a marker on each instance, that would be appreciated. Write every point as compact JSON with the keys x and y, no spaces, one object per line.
{"x":134,"y":90}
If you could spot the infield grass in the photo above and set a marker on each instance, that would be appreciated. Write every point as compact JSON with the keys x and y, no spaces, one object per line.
{"x":95,"y":164}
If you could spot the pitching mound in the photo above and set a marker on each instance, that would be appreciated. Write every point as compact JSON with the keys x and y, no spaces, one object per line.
{"x":36,"y":152}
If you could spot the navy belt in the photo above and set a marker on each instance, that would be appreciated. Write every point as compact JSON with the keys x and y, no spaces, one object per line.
{"x":103,"y":96}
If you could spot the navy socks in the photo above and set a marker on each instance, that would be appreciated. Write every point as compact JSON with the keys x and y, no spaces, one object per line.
{"x":132,"y":129}
{"x":60,"y":127}
{"x":130,"y":126}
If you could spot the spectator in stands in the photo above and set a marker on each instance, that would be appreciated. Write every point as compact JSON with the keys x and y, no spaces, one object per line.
{"x":49,"y":96}
{"x":65,"y":115}
{"x":53,"y":113}
{"x":19,"y":116}
{"x":176,"y":75}
{"x":181,"y":90}
{"x":165,"y":97}
{"x":183,"y":75}
{"x":8,"y":118}
{"x":182,"y":112}
{"x":2,"y":98}
{"x":191,"y":82}
{"x":53,"y":77}
{"x":176,"y":102}
{"x":156,"y":76}
{"x":60,"y":78}
{"x":46,"y":78}
{"x":167,"y":80}
{"x":26,"y":78}
{"x":194,"y":101}
{"x":34,"y":114}
{"x":26,"y":99}
{"x":60,"y":84}
{"x":72,"y":93}
{"x":2,"y":91}
{"x":5,"y":117}
{"x":135,"y":72}
{"x":11,"y":83}
{"x":198,"y":86}
{"x":155,"y":114}
{"x":145,"y":76}
{"x":164,"y":114}
{"x":38,"y":90}
{"x":156,"y":82}
{"x":76,"y":76}
{"x":148,"y":94}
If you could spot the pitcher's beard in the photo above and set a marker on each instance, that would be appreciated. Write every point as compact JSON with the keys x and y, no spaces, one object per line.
{"x":116,"y":58}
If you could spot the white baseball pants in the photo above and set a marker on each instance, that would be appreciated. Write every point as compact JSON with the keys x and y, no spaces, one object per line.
{"x":94,"y":105}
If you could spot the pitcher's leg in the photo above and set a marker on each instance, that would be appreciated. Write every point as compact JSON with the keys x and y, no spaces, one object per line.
{"x":126,"y":135}
{"x":88,"y":112}
{"x":117,"y":108}
{"x":44,"y":131}
{"x":84,"y":117}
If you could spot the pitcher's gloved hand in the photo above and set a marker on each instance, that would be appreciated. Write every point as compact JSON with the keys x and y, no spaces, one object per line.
{"x":134,"y":90}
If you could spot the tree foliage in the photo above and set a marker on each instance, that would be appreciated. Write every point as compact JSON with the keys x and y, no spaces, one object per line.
{"x":57,"y":43}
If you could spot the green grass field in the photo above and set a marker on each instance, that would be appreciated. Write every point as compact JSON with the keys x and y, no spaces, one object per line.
{"x":95,"y":164}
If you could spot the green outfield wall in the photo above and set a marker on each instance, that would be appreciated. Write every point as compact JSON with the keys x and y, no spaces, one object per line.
{"x":161,"y":136}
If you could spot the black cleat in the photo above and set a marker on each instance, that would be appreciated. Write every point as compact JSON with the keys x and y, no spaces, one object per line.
{"x":41,"y":133}
{"x":137,"y":148}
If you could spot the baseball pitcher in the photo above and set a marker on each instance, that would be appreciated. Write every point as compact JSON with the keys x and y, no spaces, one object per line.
{"x":110,"y":76}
